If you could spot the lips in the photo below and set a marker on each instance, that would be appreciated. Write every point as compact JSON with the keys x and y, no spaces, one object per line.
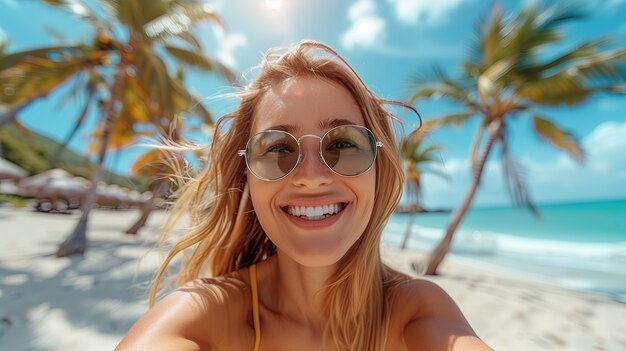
{"x":314,"y":213}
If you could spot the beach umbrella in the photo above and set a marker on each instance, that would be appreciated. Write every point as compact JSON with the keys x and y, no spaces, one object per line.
{"x":111,"y":195}
{"x":118,"y":195}
{"x":9,"y":187}
{"x":104,"y":197}
{"x":53,"y":184}
{"x":134,"y":198}
{"x":9,"y":170}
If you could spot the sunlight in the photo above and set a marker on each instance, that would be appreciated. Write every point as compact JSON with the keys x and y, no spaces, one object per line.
{"x":273,"y":4}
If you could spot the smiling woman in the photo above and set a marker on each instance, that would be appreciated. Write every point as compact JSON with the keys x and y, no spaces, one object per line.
{"x":287,"y":219}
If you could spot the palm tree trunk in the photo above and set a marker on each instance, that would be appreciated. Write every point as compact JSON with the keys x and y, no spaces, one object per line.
{"x":437,"y":255}
{"x":407,"y":233}
{"x":76,"y":242}
{"x":91,"y":90}
{"x":146,"y":208}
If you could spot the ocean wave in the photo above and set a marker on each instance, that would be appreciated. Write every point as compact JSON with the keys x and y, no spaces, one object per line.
{"x":469,"y":241}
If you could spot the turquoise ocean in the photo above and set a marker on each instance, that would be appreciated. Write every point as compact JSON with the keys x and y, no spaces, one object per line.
{"x":579,"y":246}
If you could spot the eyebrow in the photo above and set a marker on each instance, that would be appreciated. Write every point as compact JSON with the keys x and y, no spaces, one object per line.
{"x":325,"y":124}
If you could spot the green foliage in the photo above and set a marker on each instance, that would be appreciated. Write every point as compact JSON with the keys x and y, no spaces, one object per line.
{"x":14,"y":201}
{"x":33,"y":152}
{"x":32,"y":158}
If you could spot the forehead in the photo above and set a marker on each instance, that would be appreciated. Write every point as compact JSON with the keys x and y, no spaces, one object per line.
{"x":305,"y":105}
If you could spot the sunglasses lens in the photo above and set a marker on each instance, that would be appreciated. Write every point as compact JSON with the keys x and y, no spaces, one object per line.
{"x":272,"y":155}
{"x":349,"y":150}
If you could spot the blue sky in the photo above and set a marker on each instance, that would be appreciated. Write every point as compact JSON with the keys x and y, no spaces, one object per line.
{"x":387,"y":42}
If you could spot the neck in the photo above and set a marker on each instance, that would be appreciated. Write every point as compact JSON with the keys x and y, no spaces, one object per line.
{"x":296,"y":291}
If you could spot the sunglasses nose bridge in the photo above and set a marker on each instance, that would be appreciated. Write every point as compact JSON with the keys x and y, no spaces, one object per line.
{"x":317,"y":150}
{"x":308,"y":136}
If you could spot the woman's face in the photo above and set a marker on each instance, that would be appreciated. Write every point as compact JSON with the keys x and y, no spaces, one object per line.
{"x":311,"y":105}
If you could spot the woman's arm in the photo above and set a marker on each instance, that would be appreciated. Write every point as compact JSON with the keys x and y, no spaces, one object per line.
{"x":168,"y":325}
{"x":436,"y":323}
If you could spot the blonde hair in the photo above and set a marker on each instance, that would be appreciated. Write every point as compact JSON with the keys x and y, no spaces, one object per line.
{"x":224,"y":234}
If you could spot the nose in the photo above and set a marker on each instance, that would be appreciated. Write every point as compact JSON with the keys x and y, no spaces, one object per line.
{"x":312,"y":172}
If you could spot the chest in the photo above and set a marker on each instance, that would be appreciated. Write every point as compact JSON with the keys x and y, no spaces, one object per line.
{"x":278,"y":334}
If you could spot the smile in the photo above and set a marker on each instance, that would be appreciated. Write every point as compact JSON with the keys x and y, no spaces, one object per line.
{"x":314,"y":213}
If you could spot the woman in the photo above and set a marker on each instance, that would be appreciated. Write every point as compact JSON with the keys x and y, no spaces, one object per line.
{"x":287,"y":218}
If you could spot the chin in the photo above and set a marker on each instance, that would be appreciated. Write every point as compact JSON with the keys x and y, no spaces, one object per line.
{"x":316,"y":258}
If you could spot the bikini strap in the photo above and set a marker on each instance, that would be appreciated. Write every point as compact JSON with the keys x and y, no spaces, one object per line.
{"x":255,"y":308}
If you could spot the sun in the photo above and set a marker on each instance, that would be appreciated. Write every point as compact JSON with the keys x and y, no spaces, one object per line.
{"x":273,"y":4}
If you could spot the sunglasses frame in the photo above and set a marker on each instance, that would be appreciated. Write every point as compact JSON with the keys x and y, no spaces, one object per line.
{"x":244,"y":152}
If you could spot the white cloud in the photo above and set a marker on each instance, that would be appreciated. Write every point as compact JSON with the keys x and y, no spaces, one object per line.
{"x":366,"y":26}
{"x":422,"y":11}
{"x":606,"y":146}
{"x":226,"y":45}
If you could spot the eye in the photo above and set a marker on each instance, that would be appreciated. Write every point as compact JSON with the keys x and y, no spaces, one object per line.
{"x":341,"y":144}
{"x":279,"y":148}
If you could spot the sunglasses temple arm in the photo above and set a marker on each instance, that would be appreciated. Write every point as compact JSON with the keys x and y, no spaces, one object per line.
{"x":241,"y":152}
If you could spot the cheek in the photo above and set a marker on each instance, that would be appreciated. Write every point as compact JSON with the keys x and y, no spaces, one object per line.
{"x":367,"y":189}
{"x":261,"y":193}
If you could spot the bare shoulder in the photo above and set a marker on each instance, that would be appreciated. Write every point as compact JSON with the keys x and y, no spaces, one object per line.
{"x":193,"y":317}
{"x":427,"y":318}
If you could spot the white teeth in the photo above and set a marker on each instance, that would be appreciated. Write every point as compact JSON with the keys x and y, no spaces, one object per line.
{"x":314,"y":213}
{"x":319,"y":210}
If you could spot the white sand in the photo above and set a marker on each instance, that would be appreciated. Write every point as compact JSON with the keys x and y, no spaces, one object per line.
{"x":89,"y":303}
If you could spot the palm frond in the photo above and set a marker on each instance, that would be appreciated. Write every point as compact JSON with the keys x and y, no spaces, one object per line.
{"x":453,"y":119}
{"x":581,"y":51}
{"x":439,"y":85}
{"x":81,"y":10}
{"x":34,"y":78}
{"x":575,"y":76}
{"x":514,"y":175}
{"x":53,"y":53}
{"x":191,"y":40}
{"x":176,"y":17}
{"x":154,"y":79}
{"x":199,"y":61}
{"x":558,"y":138}
{"x":492,"y":37}
{"x":539,"y":26}
{"x":561,"y":88}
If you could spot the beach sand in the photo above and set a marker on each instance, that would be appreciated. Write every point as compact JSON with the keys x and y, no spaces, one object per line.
{"x":88,"y":303}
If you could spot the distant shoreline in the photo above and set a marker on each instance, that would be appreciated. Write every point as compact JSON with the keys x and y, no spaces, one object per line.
{"x":404,"y":208}
{"x":414,"y":208}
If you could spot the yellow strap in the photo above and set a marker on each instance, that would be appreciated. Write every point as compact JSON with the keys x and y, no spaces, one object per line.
{"x":255,"y":309}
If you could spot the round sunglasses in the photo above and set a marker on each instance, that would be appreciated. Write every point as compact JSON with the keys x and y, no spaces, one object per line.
{"x":348,"y":150}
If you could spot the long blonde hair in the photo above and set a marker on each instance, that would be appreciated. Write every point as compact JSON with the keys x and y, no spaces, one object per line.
{"x":224,"y":234}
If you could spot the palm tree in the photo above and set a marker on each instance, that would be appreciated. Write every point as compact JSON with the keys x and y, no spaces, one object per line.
{"x":509,"y":76}
{"x":157,"y":164}
{"x":131,"y":37}
{"x":415,"y":156}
